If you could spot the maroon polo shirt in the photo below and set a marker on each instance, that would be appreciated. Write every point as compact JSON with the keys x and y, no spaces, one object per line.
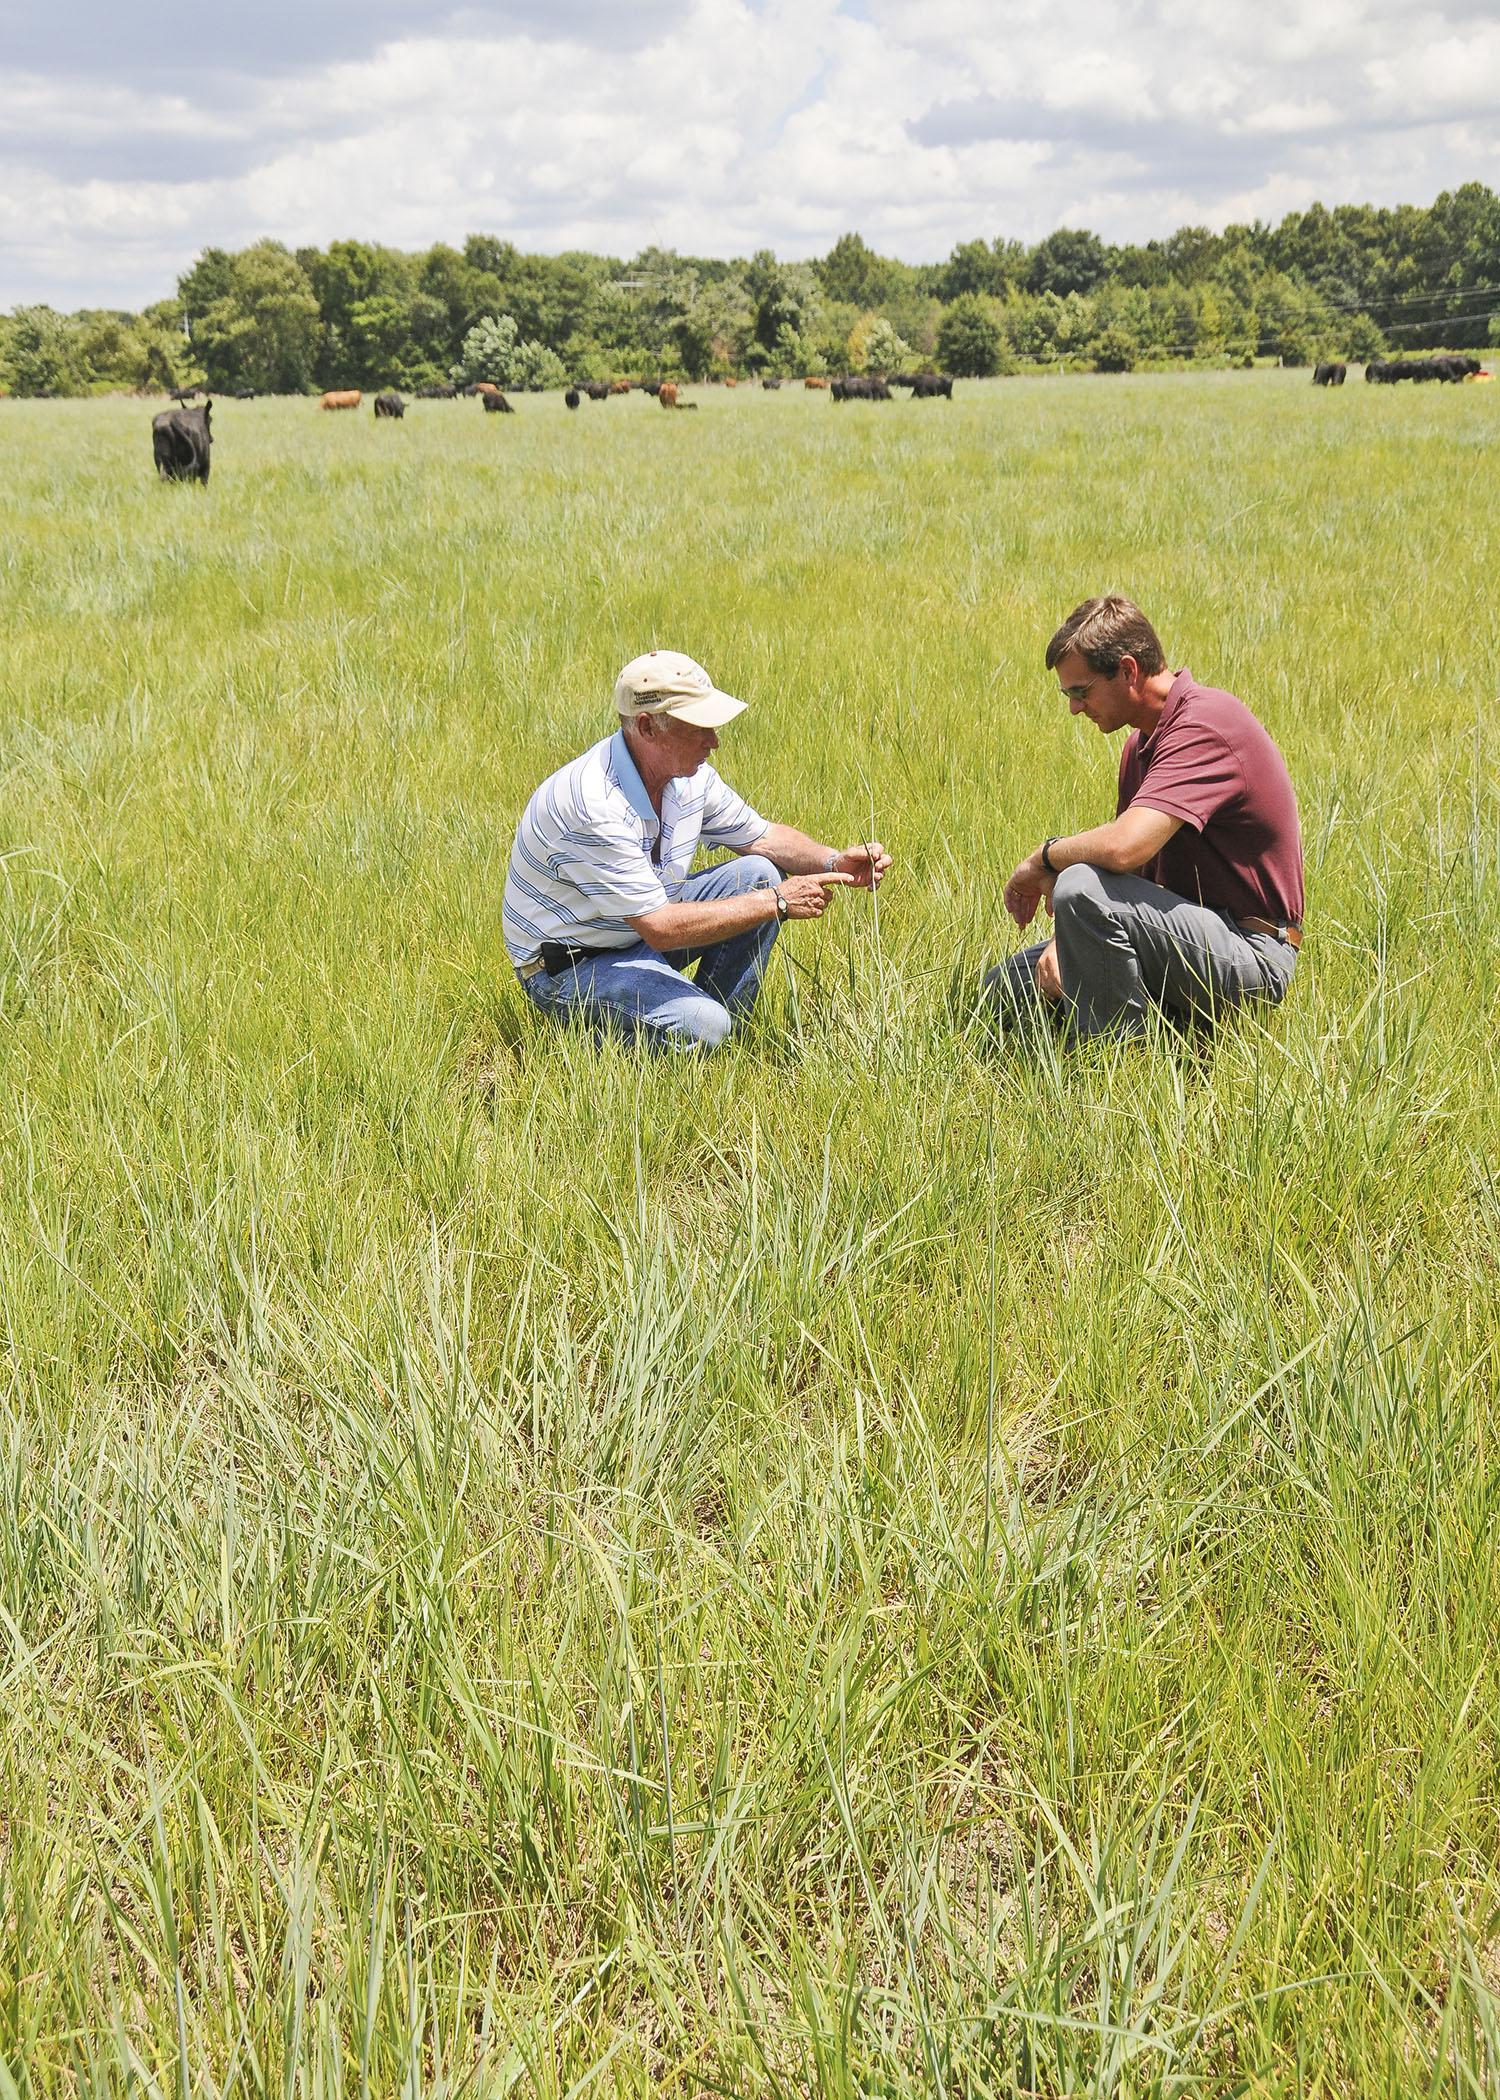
{"x":1211,"y":764}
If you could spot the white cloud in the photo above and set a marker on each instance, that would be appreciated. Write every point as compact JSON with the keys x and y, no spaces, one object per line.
{"x":726,"y":125}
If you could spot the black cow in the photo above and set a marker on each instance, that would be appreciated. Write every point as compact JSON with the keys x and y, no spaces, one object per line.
{"x":860,"y":387}
{"x":770,"y":385}
{"x":1330,"y":375}
{"x":247,"y":393}
{"x":925,"y":386}
{"x":572,"y":397}
{"x":596,"y":389}
{"x":389,"y":404}
{"x":496,"y":405}
{"x":180,"y":438}
{"x":188,"y":393}
{"x":437,"y":393}
{"x":651,"y":386}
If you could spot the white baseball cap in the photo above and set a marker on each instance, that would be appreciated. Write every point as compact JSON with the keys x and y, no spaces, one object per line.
{"x":665,"y":682}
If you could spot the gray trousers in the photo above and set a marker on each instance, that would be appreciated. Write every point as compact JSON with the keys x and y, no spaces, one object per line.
{"x":1125,"y":945}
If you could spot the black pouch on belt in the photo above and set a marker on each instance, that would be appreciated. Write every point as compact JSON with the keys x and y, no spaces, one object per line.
{"x":558,"y":957}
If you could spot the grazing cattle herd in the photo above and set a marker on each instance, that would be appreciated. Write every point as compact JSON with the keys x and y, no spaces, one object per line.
{"x":1386,"y":371}
{"x":181,"y":436}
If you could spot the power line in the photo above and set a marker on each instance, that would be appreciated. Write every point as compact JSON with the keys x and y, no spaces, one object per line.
{"x":1477,"y":291}
{"x":1444,"y":298}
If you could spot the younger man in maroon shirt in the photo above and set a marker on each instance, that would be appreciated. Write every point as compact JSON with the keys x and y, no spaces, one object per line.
{"x":1191,"y":899}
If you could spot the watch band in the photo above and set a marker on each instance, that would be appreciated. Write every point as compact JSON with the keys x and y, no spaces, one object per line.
{"x":1047,"y":845}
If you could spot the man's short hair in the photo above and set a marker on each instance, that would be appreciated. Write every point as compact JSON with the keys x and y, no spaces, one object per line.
{"x":1104,"y":631}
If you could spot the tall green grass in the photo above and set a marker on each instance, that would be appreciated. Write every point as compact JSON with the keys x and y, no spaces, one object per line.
{"x":870,"y":1565}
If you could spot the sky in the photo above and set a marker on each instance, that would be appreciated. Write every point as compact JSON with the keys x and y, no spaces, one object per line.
{"x":130,"y":141}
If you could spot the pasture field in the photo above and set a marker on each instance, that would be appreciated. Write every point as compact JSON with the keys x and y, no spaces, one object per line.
{"x":872,"y":1565}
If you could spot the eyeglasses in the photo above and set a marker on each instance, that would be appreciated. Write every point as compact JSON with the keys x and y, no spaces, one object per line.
{"x":1081,"y":692}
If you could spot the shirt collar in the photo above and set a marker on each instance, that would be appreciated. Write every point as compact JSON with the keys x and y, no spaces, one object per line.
{"x":623,"y":766}
{"x":1182,"y":680}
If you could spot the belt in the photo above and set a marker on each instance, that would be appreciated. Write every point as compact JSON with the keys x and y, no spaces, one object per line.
{"x":1284,"y":929}
{"x":558,"y":957}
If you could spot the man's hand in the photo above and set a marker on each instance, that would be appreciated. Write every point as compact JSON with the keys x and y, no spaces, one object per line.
{"x":864,"y":865}
{"x":807,"y":895}
{"x":1048,"y":976}
{"x":1028,"y":887}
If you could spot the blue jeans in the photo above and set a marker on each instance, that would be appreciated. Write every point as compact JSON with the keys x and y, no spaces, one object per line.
{"x":1125,"y":945}
{"x":640,"y":994}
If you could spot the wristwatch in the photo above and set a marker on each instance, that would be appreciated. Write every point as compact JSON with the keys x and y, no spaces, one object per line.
{"x":783,"y":909}
{"x":1047,"y":845}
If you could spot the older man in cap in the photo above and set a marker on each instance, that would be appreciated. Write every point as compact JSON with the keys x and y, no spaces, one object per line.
{"x":602,"y":918}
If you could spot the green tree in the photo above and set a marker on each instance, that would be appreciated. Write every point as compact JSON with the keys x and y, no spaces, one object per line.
{"x":265,"y":331}
{"x":1363,"y":340}
{"x":783,"y":295}
{"x":1115,"y":350}
{"x":41,"y":352}
{"x":874,"y":346}
{"x":536,"y":368}
{"x":1070,"y":260}
{"x":1190,"y":253}
{"x":129,"y":350}
{"x":852,"y":271}
{"x":210,"y":279}
{"x":714,"y":335}
{"x":464,"y":293}
{"x":990,"y":267}
{"x":487,"y":350}
{"x":792,"y":354}
{"x":1294,"y":321}
{"x":969,"y":341}
{"x":1211,"y":325}
{"x":493,"y":349}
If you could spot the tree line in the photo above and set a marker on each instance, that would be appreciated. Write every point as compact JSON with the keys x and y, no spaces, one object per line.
{"x":1353,"y":282}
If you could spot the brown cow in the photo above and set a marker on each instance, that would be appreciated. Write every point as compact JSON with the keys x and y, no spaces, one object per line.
{"x":350,"y":398}
{"x":619,"y":386}
{"x":815,"y":382}
{"x":731,"y":382}
{"x":667,"y":393}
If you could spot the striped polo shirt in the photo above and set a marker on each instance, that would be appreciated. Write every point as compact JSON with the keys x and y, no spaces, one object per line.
{"x":590,"y":854}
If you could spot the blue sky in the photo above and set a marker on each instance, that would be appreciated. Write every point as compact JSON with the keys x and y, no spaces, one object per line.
{"x":128,"y":141}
